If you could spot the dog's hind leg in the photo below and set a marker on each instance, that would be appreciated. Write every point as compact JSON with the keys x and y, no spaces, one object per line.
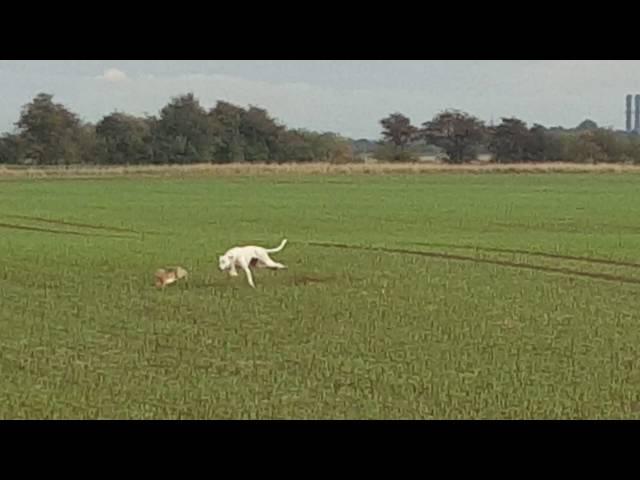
{"x":276,"y":266}
{"x":268,"y":263}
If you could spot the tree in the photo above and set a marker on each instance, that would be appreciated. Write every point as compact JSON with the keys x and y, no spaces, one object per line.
{"x":261,"y":135}
{"x":587,"y":125}
{"x":596,"y":146}
{"x":582,"y":149}
{"x":305,"y":146}
{"x":50,"y":134}
{"x":87,"y":143}
{"x":632,"y":150}
{"x":398,"y":130}
{"x":9,"y":148}
{"x":399,"y":133}
{"x":333,"y":148}
{"x":124,"y":139}
{"x":228,"y":119}
{"x":509,"y":141}
{"x":544,"y":146}
{"x":512,"y":141}
{"x":295,"y":146}
{"x":457,"y":133}
{"x":184,"y":132}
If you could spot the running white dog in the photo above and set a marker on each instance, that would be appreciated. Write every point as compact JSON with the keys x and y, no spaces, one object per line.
{"x":249,"y":257}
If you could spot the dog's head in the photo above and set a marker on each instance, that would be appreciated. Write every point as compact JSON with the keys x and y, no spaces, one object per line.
{"x":224,"y":263}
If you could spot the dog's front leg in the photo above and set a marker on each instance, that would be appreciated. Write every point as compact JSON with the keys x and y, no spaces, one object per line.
{"x":247,"y":270}
{"x":232,"y":270}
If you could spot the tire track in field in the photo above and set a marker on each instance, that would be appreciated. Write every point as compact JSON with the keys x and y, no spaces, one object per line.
{"x":61,"y":232}
{"x":557,"y":256}
{"x":479,"y":261}
{"x":566,"y":227}
{"x":76,"y":224}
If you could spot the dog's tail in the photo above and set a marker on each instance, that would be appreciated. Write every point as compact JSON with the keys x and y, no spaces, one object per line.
{"x":278,"y":249}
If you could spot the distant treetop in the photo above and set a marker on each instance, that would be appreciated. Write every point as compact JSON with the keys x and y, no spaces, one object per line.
{"x":587,"y":125}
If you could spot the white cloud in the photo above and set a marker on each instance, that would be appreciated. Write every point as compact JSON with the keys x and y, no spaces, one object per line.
{"x":113,"y":75}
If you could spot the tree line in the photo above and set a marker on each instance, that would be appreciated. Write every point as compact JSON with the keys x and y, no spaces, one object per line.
{"x":184,"y":132}
{"x":460,"y":137}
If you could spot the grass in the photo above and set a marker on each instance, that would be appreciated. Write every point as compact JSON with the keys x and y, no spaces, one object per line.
{"x":430,"y":296}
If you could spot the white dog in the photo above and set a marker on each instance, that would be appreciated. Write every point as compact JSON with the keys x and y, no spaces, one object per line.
{"x":249,"y":257}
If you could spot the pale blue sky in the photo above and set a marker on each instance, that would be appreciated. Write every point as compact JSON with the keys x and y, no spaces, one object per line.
{"x":345,"y":96}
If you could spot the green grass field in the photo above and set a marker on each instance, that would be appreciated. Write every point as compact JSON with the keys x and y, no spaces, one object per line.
{"x":416,"y":297}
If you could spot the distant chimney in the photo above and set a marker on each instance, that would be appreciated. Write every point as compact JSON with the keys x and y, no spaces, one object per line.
{"x":629,"y":113}
{"x":637,"y":124}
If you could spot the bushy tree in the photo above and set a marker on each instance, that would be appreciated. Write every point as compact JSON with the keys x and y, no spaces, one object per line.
{"x":509,"y":141}
{"x":9,"y":149}
{"x":228,"y":120}
{"x":398,"y":133}
{"x":124,"y":139}
{"x":457,"y":133}
{"x":595,"y":146}
{"x":261,"y":136}
{"x":50,"y":134}
{"x":184,"y":132}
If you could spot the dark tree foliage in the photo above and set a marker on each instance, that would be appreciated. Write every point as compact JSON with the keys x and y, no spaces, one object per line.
{"x":457,"y":133}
